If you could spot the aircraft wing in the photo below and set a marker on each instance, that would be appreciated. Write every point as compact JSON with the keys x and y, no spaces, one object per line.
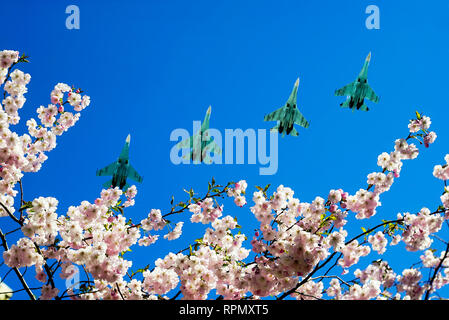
{"x":370,"y":95}
{"x":184,"y":143}
{"x":188,"y":143}
{"x":347,"y":90}
{"x":277,"y":115}
{"x":133,"y":175}
{"x":108,"y":170}
{"x":213,"y":147}
{"x":300,"y":120}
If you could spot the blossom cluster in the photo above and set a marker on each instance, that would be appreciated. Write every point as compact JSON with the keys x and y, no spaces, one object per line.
{"x":22,"y":254}
{"x":27,"y":152}
{"x":103,"y":237}
{"x":378,"y":242}
{"x":41,"y":222}
{"x":419,"y":227}
{"x":238,"y":192}
{"x":205,"y":211}
{"x":204,"y":269}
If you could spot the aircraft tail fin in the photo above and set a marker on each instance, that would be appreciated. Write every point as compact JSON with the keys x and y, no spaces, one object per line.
{"x":345,"y":104}
{"x":294,"y":133}
{"x":364,"y":107}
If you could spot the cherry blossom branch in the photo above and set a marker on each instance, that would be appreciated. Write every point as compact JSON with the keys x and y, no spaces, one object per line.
{"x":318,"y":267}
{"x":10,"y":214}
{"x":20,"y":290}
{"x":16,"y":270}
{"x":185,"y":205}
{"x":77,"y":294}
{"x":330,"y":277}
{"x":88,"y":282}
{"x":437,"y":269}
{"x":46,"y":267}
{"x":308,"y":296}
{"x":218,"y":193}
{"x":118,"y":289}
{"x":307,"y":278}
{"x":6,"y":274}
{"x":22,"y":58}
{"x":335,"y":263}
{"x":21,"y":199}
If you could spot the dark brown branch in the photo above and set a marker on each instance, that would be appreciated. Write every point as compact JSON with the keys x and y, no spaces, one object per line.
{"x":21,"y":199}
{"x":437,"y":269}
{"x":118,"y":289}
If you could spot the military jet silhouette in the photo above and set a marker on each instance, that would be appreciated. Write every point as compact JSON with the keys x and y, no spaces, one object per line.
{"x":120,"y":170}
{"x":358,"y":90}
{"x":200,"y":144}
{"x":288,"y":115}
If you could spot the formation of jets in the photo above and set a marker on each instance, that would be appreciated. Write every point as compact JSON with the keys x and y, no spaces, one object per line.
{"x":200,"y":145}
{"x":356,"y":92}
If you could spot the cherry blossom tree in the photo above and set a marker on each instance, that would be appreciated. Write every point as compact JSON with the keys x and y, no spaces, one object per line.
{"x":298,"y":250}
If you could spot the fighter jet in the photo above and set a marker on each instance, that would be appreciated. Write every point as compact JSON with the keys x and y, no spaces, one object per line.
{"x":120,"y":170}
{"x":200,"y":145}
{"x":288,"y":115}
{"x":358,"y":90}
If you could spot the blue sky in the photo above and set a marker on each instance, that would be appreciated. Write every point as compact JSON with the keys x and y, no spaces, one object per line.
{"x":153,"y":66}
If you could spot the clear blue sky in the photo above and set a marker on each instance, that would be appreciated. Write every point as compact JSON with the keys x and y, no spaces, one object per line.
{"x":153,"y":66}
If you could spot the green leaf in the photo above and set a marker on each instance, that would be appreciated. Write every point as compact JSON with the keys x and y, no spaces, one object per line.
{"x":26,"y":205}
{"x":418,"y":115}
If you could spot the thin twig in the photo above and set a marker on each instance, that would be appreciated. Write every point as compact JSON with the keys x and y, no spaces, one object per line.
{"x":118,"y":289}
{"x":331,"y":277}
{"x":21,"y":199}
{"x":436,"y":272}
